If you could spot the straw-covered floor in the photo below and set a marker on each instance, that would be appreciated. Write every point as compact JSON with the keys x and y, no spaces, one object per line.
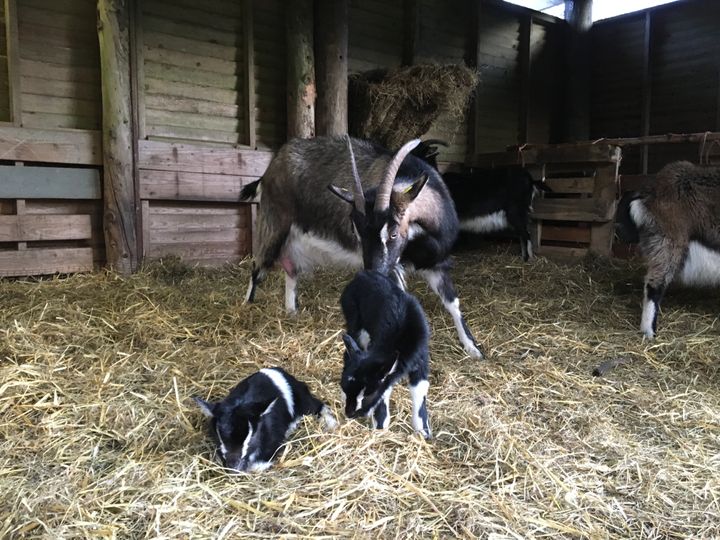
{"x":99,"y":439}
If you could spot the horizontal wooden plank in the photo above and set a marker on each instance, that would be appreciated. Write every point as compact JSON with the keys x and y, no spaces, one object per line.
{"x":33,"y":119}
{"x":562,"y":252}
{"x":41,"y":261}
{"x":26,"y":228}
{"x":193,"y":186}
{"x":166,"y":156}
{"x":557,"y":233}
{"x":570,"y":185}
{"x":573,"y":210}
{"x":552,"y":153}
{"x":49,"y":183}
{"x":79,"y":147}
{"x":209,"y":222}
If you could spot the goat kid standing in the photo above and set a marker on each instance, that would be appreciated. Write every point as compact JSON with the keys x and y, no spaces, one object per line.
{"x":386,"y":340}
{"x":677,"y":224}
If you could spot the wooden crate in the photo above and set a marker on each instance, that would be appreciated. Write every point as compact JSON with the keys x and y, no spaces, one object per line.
{"x":577,"y":217}
{"x":47,"y":219}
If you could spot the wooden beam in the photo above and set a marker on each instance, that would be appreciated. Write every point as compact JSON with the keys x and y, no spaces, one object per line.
{"x":35,"y":262}
{"x":119,"y":218}
{"x":249,"y":46}
{"x":411,"y":31}
{"x":13,"y":61}
{"x":166,"y":156}
{"x":550,"y":153}
{"x":646,"y":89}
{"x":331,"y":63}
{"x":301,"y":68}
{"x":476,"y":126}
{"x":137,"y":105}
{"x":49,"y":183}
{"x":70,"y":146}
{"x":578,"y":14}
{"x":675,"y":138}
{"x":524,"y":44}
{"x":30,"y":227}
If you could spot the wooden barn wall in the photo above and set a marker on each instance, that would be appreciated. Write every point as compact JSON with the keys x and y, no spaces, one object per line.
{"x":50,"y":106}
{"x":683,"y":86}
{"x":375,"y":34}
{"x":59,"y":64}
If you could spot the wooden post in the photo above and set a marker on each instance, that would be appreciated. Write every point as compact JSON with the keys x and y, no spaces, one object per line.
{"x":249,"y":45}
{"x":411,"y":31}
{"x":578,"y":14}
{"x":525,"y":46}
{"x":13,"y":61}
{"x":119,"y":216}
{"x":301,"y":68}
{"x":331,"y":48}
{"x":472,"y":59}
{"x":646,"y":90}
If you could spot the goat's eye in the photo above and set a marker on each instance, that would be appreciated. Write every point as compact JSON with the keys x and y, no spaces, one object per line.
{"x":394,"y":235}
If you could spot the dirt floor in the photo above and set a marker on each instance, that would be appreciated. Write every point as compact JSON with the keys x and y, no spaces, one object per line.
{"x":99,"y":437}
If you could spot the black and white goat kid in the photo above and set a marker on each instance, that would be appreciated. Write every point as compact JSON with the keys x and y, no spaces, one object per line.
{"x":386,"y":340}
{"x":255,"y":419}
{"x":489,"y":200}
{"x":402,"y":216}
{"x":677,"y":223}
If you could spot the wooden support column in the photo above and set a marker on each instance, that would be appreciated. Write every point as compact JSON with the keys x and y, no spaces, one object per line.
{"x":525,"y":45}
{"x":331,"y":49}
{"x":472,"y":59}
{"x":578,"y":14}
{"x":646,"y":90}
{"x":13,"y":61}
{"x":300,"y":68}
{"x":119,"y":217}
{"x":411,"y":31}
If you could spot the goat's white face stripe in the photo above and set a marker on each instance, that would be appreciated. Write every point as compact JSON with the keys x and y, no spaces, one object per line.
{"x":246,"y":443}
{"x":414,"y":230}
{"x":223,"y":449}
{"x":384,"y":238}
{"x":359,"y":399}
{"x":283,"y":387}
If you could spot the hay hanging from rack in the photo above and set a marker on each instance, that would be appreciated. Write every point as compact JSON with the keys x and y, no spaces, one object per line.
{"x":394,"y":106}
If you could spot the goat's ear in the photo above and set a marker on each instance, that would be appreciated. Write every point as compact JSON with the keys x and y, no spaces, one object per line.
{"x":406,"y":196}
{"x":351,"y":345}
{"x":345,"y":194}
{"x":208,"y":409}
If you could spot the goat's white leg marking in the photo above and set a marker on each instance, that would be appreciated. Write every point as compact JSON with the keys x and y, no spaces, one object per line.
{"x":381,"y":412}
{"x":328,"y":418}
{"x":363,"y":339}
{"x":418,"y":395}
{"x":531,"y":254}
{"x":648,"y":316}
{"x":290,"y":293}
{"x":249,"y":290}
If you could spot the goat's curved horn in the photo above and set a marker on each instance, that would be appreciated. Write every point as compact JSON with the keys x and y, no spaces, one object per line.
{"x":358,"y":195}
{"x":382,"y":199}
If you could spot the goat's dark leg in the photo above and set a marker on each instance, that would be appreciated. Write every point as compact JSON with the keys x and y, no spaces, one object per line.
{"x":441,"y":283}
{"x":518,"y":220}
{"x":266,"y":256}
{"x":381,"y":412}
{"x":663,"y":264}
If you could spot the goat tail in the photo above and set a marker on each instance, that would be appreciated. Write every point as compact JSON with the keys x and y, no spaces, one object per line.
{"x":251,"y":192}
{"x":626,"y":228}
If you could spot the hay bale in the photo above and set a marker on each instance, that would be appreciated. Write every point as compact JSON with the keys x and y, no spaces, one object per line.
{"x":394,"y":106}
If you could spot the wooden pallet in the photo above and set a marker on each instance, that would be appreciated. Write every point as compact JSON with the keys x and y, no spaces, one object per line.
{"x":577,"y":217}
{"x":37,"y":234}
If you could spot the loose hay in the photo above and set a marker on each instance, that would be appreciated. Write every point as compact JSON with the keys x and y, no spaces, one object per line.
{"x":395,"y":106}
{"x":100,"y":440}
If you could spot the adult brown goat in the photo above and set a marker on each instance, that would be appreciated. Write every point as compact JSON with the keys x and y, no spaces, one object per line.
{"x":677,"y":224}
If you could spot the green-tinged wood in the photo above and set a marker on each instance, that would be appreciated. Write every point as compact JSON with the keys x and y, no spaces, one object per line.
{"x":119,"y":188}
{"x":28,"y":228}
{"x":49,"y":183}
{"x":301,"y":69}
{"x":78,"y":147}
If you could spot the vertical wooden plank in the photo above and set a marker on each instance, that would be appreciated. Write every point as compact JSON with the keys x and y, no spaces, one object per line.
{"x":525,"y":43}
{"x":145,"y":220}
{"x":119,"y":218}
{"x":476,"y":123}
{"x":331,"y":67}
{"x":19,"y":211}
{"x":249,"y":33}
{"x":646,"y":89}
{"x":301,"y":68}
{"x":601,"y":235}
{"x":138,"y":63}
{"x":578,"y":14}
{"x":411,"y":31}
{"x":13,"y":61}
{"x":137,"y":106}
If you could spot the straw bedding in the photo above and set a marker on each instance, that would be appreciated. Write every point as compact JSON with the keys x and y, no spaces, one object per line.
{"x":98,"y":437}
